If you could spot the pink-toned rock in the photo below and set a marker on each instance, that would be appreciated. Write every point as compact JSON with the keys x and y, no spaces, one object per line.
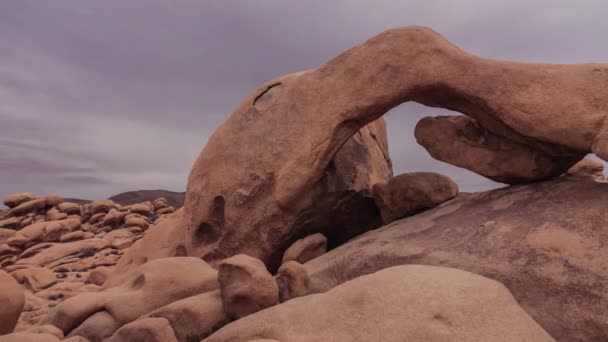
{"x":12,"y":301}
{"x":410,"y":193}
{"x":98,"y":275}
{"x":145,"y":330}
{"x":293,"y":281}
{"x":11,"y":223}
{"x":102,"y":206}
{"x":70,"y":208}
{"x":6,"y":234}
{"x":14,"y":200}
{"x":306,"y":249}
{"x":586,"y":167}
{"x":35,"y":278}
{"x":136,"y":222}
{"x":246,"y":285}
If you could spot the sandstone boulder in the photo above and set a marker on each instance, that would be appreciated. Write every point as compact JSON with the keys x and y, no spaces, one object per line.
{"x":198,"y":315}
{"x":306,"y":249}
{"x":35,"y":278}
{"x":145,"y":330}
{"x":293,"y":281}
{"x":153,"y":285}
{"x":14,"y":200}
{"x":404,"y":303}
{"x":246,"y":285}
{"x":588,"y":167}
{"x":542,"y":241}
{"x":70,"y":208}
{"x":410,"y":193}
{"x":527,"y":103}
{"x":12,"y":301}
{"x":102,"y":206}
{"x":462,"y":141}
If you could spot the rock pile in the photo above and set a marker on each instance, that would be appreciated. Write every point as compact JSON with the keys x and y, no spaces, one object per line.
{"x":56,"y":249}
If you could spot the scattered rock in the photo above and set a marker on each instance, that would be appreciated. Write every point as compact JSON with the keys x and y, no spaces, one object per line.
{"x":410,"y":193}
{"x":246,"y":286}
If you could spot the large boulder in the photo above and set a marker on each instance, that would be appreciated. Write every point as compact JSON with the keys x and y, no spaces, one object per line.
{"x":544,"y":241}
{"x":248,"y":200}
{"x":404,"y":303}
{"x":411,"y":193}
{"x":12,"y":300}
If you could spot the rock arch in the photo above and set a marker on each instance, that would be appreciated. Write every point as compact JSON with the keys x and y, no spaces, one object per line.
{"x":288,"y":130}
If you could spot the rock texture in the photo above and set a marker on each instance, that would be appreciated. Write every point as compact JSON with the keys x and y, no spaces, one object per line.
{"x":404,"y":303}
{"x":246,"y":286}
{"x":51,"y":246}
{"x":338,"y":204}
{"x":544,"y":241}
{"x":155,"y":284}
{"x":11,"y":303}
{"x":411,"y":193}
{"x":306,"y":249}
{"x":294,"y":125}
{"x":588,"y":167}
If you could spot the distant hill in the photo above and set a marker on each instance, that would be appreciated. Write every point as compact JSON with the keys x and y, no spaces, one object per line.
{"x":175,"y":199}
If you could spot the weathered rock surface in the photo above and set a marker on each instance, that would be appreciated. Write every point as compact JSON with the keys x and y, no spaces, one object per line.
{"x":293,"y":281}
{"x":294,"y":125}
{"x":154,"y":285}
{"x":12,"y":300}
{"x":14,"y":200}
{"x":198,"y":315}
{"x":461,"y":141}
{"x":246,"y":286}
{"x":306,"y":249}
{"x":404,"y":303}
{"x":544,"y":241}
{"x":410,"y":193}
{"x":145,"y":330}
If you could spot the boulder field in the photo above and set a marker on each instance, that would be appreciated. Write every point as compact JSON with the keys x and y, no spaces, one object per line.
{"x":294,"y":227}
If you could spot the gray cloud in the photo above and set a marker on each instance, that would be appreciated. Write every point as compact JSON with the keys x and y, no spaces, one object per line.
{"x":104,"y":96}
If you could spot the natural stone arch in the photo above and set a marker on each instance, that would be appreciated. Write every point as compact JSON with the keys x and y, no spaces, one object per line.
{"x":286,"y":132}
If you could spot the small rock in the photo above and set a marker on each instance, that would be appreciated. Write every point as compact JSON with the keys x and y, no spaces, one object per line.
{"x":246,"y":285}
{"x":293,"y":281}
{"x":306,"y":249}
{"x":410,"y":193}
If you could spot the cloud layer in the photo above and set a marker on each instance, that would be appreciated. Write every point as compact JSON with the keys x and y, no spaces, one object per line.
{"x":103,"y":96}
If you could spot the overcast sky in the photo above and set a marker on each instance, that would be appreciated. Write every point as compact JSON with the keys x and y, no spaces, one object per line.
{"x":99,"y":97}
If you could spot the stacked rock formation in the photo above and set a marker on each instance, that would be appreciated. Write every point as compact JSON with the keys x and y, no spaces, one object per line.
{"x":56,"y":249}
